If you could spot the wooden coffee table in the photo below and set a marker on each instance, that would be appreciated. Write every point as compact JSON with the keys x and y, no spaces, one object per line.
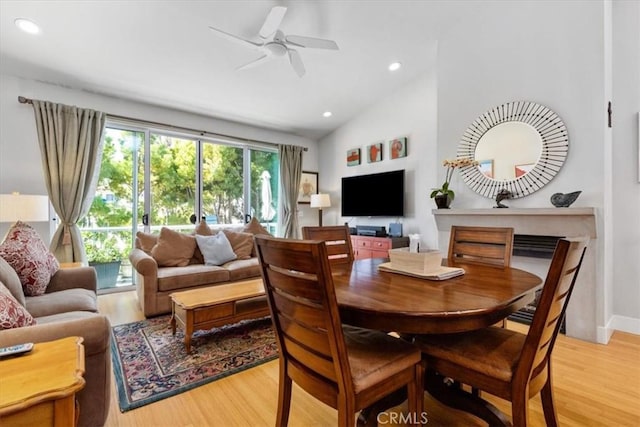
{"x":219,"y":305}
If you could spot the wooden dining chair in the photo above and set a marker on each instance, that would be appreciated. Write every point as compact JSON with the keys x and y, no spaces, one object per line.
{"x":337,"y":238}
{"x":347,"y":368}
{"x":503,"y":362}
{"x":486,"y":245}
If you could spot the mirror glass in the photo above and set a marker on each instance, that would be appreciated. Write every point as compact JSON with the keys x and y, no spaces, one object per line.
{"x":508,"y":150}
{"x":520,"y":146}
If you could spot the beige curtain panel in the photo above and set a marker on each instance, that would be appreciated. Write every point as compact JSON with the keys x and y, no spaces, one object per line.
{"x":290,"y":175}
{"x":71,"y":148}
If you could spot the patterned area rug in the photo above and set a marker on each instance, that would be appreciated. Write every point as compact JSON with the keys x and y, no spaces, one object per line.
{"x":150,"y":364}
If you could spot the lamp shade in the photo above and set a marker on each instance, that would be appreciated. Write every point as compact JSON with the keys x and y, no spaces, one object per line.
{"x":23,"y":207}
{"x":320,"y":201}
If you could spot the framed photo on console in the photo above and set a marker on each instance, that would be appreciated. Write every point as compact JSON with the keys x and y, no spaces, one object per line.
{"x":308,"y":186}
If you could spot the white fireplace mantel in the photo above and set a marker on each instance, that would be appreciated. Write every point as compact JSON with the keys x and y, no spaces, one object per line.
{"x":559,"y":222}
{"x":565,"y":222}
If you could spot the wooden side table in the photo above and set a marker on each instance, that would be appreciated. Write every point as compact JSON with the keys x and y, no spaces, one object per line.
{"x":39,"y":388}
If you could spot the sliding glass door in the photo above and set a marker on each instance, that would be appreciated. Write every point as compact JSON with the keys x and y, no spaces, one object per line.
{"x":171,"y":193}
{"x":108,"y":229}
{"x":151,"y":179}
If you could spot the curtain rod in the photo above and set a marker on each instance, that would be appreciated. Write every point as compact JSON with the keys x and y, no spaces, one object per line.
{"x":23,"y":100}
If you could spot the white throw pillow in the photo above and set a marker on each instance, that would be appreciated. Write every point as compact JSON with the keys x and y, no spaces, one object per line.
{"x":216,"y":249}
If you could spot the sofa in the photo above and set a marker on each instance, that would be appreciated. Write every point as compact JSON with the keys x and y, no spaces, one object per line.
{"x":171,"y":261}
{"x":67,"y":308}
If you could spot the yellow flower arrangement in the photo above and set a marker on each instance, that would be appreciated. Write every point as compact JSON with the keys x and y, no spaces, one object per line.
{"x":451,"y":165}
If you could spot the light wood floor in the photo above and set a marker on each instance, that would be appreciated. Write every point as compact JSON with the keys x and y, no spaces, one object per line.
{"x":595,"y":385}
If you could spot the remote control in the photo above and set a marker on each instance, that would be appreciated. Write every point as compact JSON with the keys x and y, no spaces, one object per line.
{"x":16,"y":349}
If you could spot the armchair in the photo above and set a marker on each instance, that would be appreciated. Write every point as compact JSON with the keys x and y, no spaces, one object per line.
{"x":68,"y":308}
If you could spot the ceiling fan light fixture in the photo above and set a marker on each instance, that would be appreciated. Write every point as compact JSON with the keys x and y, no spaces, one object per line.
{"x":27,"y":25}
{"x":395,"y":66}
{"x":327,"y":114}
{"x":276,"y":49}
{"x":276,"y":44}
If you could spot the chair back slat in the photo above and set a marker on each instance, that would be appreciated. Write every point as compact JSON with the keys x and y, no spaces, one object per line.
{"x":552,"y":305}
{"x":310,"y":337}
{"x":311,"y":317}
{"x":320,"y":364}
{"x":337,"y":239}
{"x":304,"y":310}
{"x":291,"y":258}
{"x":487,"y":245}
{"x":480,"y":251}
{"x":303,"y":285}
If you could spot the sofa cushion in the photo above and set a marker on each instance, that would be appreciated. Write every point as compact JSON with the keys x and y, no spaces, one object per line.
{"x":173,"y":249}
{"x":243,"y":269}
{"x":25,"y":251}
{"x":76,"y":299}
{"x":12,"y":313}
{"x":203,"y":229}
{"x":10,"y":278}
{"x":254,"y":227}
{"x":242,"y":243}
{"x":66,"y":317}
{"x":216,"y":249}
{"x":146,"y":241}
{"x":175,"y":278}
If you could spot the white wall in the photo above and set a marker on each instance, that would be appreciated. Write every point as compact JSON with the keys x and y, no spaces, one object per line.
{"x":409,"y":112}
{"x":20,"y":164}
{"x":626,"y":176}
{"x":552,"y":53}
{"x":540,"y":52}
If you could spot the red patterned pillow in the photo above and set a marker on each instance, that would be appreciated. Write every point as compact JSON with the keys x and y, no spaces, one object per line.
{"x":12,"y":314}
{"x":27,"y":254}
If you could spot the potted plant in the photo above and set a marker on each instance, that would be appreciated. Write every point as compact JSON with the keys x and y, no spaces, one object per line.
{"x":444,"y":195}
{"x":105,"y":256}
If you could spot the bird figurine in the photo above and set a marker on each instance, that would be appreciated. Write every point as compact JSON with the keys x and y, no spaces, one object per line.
{"x":561,"y":200}
{"x":502,"y":195}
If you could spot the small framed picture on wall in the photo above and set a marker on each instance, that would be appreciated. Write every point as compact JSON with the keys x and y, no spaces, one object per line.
{"x":353,"y":157}
{"x":308,"y":186}
{"x":398,"y":148}
{"x":374,"y":152}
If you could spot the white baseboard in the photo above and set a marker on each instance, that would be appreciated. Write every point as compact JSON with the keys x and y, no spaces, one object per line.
{"x":626,"y":324}
{"x":618,"y":323}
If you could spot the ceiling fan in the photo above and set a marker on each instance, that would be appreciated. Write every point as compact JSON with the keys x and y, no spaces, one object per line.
{"x":274,"y":43}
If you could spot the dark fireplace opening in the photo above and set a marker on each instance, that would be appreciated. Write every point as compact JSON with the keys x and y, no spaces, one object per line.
{"x":532,"y":246}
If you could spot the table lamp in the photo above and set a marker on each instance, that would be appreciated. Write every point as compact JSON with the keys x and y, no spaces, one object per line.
{"x":24,"y":207}
{"x":320,"y":201}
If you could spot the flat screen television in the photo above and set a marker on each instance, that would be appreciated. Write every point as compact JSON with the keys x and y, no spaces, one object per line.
{"x":378,"y":194}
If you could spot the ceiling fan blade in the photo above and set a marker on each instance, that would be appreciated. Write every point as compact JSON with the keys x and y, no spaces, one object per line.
{"x":311,"y":42}
{"x":262,"y":59}
{"x":273,"y":21}
{"x":236,"y":39}
{"x":296,"y":62}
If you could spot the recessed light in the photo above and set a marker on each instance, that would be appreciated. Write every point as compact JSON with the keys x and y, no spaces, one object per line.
{"x":327,"y":114}
{"x":27,"y":26}
{"x":394,"y":66}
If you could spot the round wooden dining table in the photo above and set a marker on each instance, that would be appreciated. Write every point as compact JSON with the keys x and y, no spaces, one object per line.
{"x":390,"y":301}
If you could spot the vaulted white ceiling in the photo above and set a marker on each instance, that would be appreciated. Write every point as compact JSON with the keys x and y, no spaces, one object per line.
{"x":163,"y":53}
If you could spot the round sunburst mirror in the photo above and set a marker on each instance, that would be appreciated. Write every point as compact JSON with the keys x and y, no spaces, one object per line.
{"x":520,"y":146}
